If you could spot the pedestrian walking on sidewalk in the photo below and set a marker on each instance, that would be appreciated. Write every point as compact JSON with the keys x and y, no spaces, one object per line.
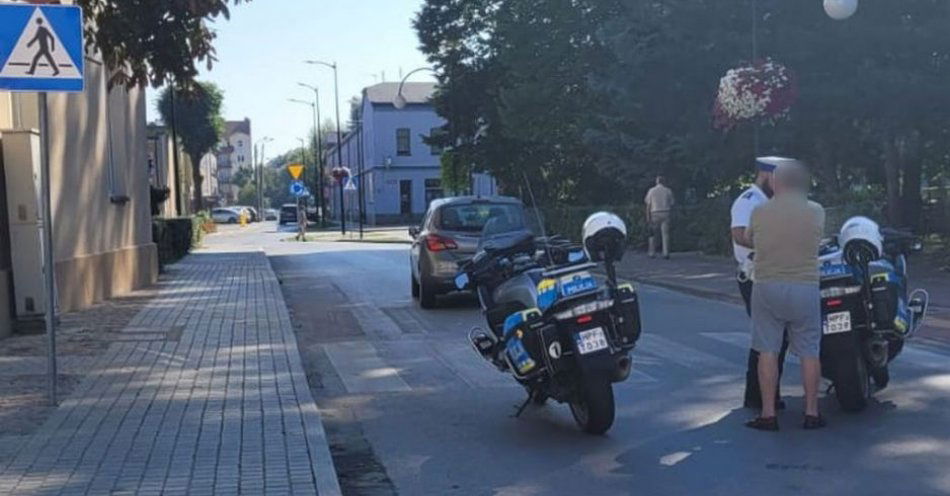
{"x":659,"y":205}
{"x":742,"y":208}
{"x":786,"y":233}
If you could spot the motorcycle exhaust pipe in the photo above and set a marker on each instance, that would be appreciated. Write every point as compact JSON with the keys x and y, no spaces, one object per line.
{"x":624,"y":367}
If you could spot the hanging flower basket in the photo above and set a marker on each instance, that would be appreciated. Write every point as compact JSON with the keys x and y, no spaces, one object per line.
{"x":763,"y":91}
{"x":340,"y":173}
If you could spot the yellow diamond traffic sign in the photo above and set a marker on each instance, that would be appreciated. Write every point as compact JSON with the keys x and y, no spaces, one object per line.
{"x":295,"y":170}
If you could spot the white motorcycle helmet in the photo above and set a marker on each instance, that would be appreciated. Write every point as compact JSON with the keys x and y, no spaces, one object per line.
{"x":605,"y":237}
{"x":861,"y":241}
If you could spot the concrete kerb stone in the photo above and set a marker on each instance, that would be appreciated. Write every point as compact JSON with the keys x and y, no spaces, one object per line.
{"x":318,"y":445}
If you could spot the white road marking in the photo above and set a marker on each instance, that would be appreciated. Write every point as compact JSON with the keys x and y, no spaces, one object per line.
{"x":462,"y":359}
{"x":362,"y":370}
{"x":375,"y":322}
{"x":680,"y":354}
{"x":742,"y":340}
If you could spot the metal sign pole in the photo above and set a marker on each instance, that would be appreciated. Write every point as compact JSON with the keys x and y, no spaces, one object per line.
{"x":49,"y":269}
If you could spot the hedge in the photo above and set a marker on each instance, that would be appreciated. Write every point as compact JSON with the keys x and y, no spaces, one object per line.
{"x":174,"y":237}
{"x":703,"y":227}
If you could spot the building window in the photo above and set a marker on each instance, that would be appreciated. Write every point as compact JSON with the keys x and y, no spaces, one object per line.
{"x":433,"y":190}
{"x":403,"y":147}
{"x":435,"y":149}
{"x":240,"y":159}
{"x":240,"y":143}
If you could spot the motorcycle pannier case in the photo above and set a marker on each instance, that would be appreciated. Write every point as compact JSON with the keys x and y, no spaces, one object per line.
{"x":627,"y":315}
{"x":887,"y":297}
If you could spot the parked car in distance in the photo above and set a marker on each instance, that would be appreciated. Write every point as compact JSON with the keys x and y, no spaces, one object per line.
{"x":449,"y":234}
{"x":225,"y":216}
{"x":288,"y":214}
{"x":271,"y":214}
{"x":252,"y":215}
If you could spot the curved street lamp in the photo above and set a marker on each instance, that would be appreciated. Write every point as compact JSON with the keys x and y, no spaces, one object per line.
{"x":399,"y":101}
{"x":339,"y":133}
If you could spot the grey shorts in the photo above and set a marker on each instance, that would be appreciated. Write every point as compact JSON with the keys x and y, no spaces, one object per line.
{"x":792,"y":306}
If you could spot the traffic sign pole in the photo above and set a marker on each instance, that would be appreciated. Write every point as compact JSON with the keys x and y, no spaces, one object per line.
{"x":49,"y":269}
{"x":29,"y":34}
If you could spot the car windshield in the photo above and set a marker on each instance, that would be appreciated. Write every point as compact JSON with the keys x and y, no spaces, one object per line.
{"x":474,"y":217}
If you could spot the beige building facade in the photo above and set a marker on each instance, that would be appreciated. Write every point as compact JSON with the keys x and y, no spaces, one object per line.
{"x":99,"y":175}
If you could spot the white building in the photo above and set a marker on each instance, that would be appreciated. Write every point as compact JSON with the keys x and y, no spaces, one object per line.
{"x":234,"y":153}
{"x":401,"y":173}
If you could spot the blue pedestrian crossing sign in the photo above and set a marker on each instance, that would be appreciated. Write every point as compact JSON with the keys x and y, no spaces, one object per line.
{"x":298,"y":189}
{"x":41,"y":48}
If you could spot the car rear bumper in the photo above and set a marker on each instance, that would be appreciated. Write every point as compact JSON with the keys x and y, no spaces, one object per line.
{"x":439,"y":269}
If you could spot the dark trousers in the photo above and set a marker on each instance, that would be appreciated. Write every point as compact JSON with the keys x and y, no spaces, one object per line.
{"x":753,"y":395}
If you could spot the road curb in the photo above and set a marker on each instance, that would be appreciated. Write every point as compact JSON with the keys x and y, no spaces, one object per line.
{"x":708,"y":294}
{"x":321,"y":461}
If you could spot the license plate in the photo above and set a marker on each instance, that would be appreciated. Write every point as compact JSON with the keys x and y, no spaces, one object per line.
{"x":591,"y":340}
{"x":837,"y":322}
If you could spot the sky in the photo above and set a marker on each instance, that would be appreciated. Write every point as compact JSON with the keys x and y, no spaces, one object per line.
{"x":261,"y":51}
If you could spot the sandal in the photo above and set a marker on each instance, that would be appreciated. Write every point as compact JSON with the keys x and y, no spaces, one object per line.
{"x":813,"y":422}
{"x":763,"y":424}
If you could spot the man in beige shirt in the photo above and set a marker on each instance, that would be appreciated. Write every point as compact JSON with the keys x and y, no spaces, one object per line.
{"x":786,"y":232}
{"x":659,"y":204}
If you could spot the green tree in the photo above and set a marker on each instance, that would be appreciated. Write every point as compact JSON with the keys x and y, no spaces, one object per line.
{"x":200,"y":125}
{"x":153,"y":41}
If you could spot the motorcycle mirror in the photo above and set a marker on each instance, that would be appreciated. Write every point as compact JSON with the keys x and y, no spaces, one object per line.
{"x":461,"y":281}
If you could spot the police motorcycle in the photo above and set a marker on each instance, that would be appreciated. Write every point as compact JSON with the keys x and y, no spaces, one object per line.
{"x":556,"y":329}
{"x":867,"y":311}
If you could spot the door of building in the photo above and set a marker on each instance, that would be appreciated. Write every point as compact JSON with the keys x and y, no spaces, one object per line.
{"x":405,"y":197}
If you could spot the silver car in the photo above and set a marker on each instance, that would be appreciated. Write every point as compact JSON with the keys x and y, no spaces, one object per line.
{"x":449,"y":234}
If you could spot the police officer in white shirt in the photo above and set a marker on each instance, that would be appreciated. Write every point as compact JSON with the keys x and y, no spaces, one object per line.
{"x":742,"y":208}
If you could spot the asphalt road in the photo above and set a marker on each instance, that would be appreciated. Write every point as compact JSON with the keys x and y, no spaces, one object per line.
{"x":412,"y":410}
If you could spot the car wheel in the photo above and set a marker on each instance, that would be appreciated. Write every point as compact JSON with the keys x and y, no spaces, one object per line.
{"x":232,"y":220}
{"x":426,"y":295}
{"x":415,"y":286}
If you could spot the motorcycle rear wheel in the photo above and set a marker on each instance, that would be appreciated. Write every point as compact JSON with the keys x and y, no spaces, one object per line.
{"x":594,"y":411}
{"x":852,"y":384}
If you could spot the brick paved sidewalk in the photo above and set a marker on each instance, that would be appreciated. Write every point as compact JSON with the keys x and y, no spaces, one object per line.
{"x":202,"y":393}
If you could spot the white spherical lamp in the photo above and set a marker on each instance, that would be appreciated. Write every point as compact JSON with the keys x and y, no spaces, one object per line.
{"x":840,"y":10}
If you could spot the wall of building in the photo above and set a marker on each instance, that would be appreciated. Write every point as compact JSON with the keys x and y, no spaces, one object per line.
{"x":420,"y":119}
{"x":241,"y":157}
{"x":100,"y":188}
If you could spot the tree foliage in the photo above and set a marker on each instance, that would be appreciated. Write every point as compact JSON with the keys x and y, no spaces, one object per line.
{"x":197,"y":117}
{"x":153,"y":41}
{"x":591,"y":98}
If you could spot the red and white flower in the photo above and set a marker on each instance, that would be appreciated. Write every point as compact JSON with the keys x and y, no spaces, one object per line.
{"x":764,"y":90}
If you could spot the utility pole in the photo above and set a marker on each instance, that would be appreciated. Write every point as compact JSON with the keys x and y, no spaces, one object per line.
{"x":318,"y":142}
{"x":360,"y":195}
{"x":174,"y":126}
{"x":339,"y":132}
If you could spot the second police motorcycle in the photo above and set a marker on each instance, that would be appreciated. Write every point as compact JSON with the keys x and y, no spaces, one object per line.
{"x":551,"y":324}
{"x":868,"y":312}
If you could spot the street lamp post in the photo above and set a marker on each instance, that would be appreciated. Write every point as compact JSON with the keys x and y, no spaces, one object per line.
{"x":339,"y":132}
{"x":318,"y":141}
{"x":259,"y":172}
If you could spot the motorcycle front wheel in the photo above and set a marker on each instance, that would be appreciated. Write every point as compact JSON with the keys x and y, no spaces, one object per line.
{"x":594,"y":410}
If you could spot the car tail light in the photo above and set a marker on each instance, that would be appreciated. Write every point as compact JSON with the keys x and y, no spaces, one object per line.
{"x":434,"y":242}
{"x":834,"y":303}
{"x":585,"y":319}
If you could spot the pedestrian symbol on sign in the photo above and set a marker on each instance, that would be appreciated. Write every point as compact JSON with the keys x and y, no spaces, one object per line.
{"x":46,"y":42}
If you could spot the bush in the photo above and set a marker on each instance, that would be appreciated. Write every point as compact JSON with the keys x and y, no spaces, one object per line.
{"x":173,"y":237}
{"x":202,"y":223}
{"x":702,"y":227}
